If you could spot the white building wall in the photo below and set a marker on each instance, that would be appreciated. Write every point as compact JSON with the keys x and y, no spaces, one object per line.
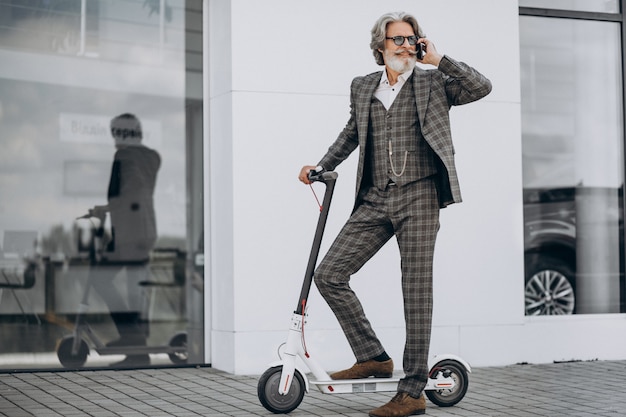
{"x":280,"y":73}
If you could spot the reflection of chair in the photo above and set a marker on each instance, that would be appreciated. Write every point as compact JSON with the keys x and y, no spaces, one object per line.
{"x":15,"y":272}
{"x":16,"y":276}
{"x":11,"y":277}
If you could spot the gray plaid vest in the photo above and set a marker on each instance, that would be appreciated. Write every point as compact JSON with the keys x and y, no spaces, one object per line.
{"x":397,"y":130}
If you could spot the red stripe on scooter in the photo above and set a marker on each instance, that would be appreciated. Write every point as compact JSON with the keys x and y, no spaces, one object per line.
{"x":287,"y":383}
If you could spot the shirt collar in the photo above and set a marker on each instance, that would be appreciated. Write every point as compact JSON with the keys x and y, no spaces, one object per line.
{"x":401,"y":78}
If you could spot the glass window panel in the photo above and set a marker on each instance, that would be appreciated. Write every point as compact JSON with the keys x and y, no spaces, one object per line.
{"x":602,"y":6}
{"x":69,"y":67}
{"x":572,"y":165}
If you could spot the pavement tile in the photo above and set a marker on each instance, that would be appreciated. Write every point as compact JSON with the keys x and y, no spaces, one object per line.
{"x":561,"y":389}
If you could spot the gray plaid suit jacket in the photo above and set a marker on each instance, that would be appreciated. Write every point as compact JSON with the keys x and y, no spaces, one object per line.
{"x":436,"y":90}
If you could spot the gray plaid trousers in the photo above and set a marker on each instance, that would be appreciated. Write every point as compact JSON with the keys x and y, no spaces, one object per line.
{"x":411,"y":213}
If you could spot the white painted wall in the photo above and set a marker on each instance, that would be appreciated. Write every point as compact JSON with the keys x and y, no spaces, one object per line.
{"x":280,"y":73}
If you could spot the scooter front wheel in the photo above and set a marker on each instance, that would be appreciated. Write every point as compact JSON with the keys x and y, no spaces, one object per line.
{"x":65,"y":355}
{"x":271,"y":399}
{"x":447,"y":397}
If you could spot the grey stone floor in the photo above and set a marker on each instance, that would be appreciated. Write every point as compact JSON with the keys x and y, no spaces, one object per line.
{"x":596,"y":388}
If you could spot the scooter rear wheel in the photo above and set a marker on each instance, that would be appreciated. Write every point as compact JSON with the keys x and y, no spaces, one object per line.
{"x":449,"y":397}
{"x":179,"y":340}
{"x":267,"y":391}
{"x":64,"y":352}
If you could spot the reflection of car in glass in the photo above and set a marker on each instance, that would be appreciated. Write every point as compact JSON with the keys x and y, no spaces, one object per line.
{"x":550,"y":233}
{"x":550,"y":250}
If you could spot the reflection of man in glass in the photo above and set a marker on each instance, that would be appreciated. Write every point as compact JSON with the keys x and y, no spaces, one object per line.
{"x":133,"y":233}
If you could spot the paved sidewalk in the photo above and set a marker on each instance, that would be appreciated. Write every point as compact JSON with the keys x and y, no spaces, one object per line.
{"x":562,"y":389}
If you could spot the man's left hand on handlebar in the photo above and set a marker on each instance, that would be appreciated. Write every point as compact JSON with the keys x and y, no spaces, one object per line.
{"x":304,"y":173}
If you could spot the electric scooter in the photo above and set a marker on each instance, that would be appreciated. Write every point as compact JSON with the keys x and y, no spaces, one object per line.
{"x":73,"y":349}
{"x":281,"y":388}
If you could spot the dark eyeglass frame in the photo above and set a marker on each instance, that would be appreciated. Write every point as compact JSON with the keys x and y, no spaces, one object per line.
{"x":399,"y":40}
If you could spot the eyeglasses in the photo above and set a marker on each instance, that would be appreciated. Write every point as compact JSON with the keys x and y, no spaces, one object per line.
{"x":399,"y":40}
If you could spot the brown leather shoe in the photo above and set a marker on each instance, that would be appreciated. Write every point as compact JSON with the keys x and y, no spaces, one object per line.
{"x":401,"y":405}
{"x":366,"y":369}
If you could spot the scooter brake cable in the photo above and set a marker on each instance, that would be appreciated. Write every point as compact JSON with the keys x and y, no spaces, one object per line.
{"x":315,"y":195}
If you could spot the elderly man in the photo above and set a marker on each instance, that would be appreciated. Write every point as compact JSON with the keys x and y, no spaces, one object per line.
{"x":406,"y":173}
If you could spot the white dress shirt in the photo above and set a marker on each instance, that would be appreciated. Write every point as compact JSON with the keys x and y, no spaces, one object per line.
{"x":387,"y":93}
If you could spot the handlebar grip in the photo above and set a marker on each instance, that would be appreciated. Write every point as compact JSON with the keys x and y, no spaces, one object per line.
{"x":321,"y":175}
{"x":316,"y":173}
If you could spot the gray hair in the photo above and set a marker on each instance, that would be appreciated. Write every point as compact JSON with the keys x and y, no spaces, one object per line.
{"x":379,"y":31}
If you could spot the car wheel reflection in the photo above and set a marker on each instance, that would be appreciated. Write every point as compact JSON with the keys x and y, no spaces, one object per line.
{"x":549,"y":292}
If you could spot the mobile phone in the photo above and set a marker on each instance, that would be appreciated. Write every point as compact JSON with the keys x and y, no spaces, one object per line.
{"x":421,"y":50}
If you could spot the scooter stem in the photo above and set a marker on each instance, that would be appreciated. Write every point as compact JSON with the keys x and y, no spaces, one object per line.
{"x":329,"y":178}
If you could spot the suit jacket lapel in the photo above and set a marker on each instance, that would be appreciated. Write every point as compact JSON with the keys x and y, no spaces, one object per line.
{"x":364,"y":103}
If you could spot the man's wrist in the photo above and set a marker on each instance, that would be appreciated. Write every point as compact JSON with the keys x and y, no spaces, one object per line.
{"x":438,"y":60}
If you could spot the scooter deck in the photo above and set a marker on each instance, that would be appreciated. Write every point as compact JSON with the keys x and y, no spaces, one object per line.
{"x":349,"y":386}
{"x":139,"y":350}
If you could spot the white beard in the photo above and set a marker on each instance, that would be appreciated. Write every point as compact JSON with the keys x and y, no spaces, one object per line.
{"x":399,"y":64}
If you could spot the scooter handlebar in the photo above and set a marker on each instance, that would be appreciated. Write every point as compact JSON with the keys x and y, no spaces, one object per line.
{"x":96,"y":211}
{"x":320,"y":174}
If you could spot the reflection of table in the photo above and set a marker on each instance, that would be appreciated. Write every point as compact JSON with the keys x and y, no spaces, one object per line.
{"x":65,"y":285}
{"x":49,"y":307}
